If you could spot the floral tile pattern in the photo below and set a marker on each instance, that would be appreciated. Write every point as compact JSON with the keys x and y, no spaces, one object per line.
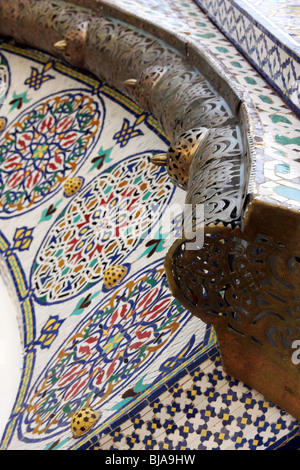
{"x":204,"y":410}
{"x":159,"y":383}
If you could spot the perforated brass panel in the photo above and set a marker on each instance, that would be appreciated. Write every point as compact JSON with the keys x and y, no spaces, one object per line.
{"x":247,"y":285}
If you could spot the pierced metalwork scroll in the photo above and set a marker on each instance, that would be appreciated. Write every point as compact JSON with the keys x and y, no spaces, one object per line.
{"x":162,"y":79}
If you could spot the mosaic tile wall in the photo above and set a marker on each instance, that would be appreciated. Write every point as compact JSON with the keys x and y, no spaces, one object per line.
{"x":204,"y":410}
{"x":161,"y":385}
{"x":283,"y":14}
{"x":273,"y":52}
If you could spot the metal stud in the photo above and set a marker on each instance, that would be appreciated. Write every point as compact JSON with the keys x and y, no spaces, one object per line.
{"x":61,"y":45}
{"x":130,"y":83}
{"x":159,"y":160}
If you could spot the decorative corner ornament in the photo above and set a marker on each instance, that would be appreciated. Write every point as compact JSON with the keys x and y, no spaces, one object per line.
{"x":180,"y":154}
{"x":73,"y":185}
{"x":114,"y":275}
{"x":83,"y":420}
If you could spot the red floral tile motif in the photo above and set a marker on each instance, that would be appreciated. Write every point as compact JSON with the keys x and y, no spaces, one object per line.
{"x":44,"y":147}
{"x":130,"y":331}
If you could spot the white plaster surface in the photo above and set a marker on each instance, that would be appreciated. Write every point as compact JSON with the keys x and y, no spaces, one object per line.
{"x":10,"y":354}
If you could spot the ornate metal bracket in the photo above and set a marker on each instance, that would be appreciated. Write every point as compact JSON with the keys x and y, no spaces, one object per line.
{"x":247,"y":285}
